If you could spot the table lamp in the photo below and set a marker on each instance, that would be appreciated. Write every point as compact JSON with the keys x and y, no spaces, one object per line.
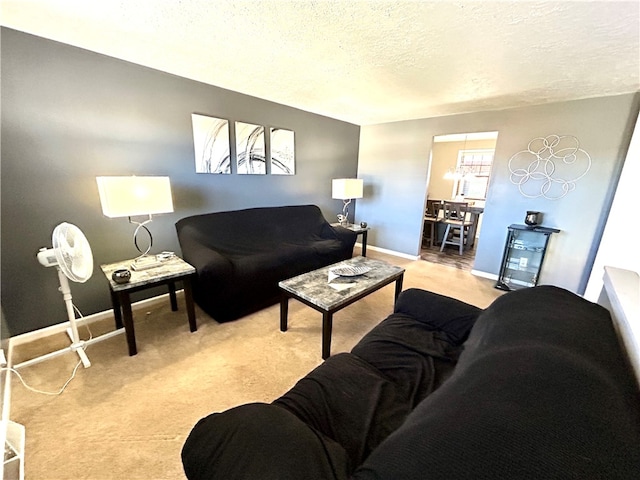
{"x":346,"y":189}
{"x":132,"y":197}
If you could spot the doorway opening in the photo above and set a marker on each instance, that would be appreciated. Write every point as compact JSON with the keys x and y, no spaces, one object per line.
{"x":459,"y":171}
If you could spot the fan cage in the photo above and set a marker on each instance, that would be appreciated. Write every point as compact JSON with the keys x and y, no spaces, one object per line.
{"x":73,"y":252}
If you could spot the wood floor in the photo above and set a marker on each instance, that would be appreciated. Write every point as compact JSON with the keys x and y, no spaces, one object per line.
{"x":449,"y":256}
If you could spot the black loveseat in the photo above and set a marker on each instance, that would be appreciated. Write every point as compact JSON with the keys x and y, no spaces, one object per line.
{"x":240,"y":256}
{"x":539,"y":390}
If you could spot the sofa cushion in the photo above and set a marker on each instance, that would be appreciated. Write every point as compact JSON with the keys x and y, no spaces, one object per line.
{"x":348,"y":401}
{"x":257,"y":441}
{"x":541,"y":391}
{"x":250,"y":269}
{"x":439,"y":312}
{"x":327,"y":246}
{"x":409,"y":353}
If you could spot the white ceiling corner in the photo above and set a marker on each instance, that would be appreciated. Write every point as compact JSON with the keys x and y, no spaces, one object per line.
{"x":368,"y":61}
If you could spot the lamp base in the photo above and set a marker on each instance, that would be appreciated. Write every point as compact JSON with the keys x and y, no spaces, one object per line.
{"x":144,"y":263}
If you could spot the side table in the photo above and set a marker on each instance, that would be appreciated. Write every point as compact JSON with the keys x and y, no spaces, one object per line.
{"x":359,"y":231}
{"x":168,"y":273}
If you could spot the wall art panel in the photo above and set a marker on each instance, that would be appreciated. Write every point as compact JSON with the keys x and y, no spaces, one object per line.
{"x":282,"y":152}
{"x":211,"y":144}
{"x":250,"y":149}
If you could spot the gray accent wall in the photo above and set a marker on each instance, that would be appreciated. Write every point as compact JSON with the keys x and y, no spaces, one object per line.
{"x":69,"y":115}
{"x":394,"y":161}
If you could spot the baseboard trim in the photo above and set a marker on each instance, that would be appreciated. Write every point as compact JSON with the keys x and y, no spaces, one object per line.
{"x":479,"y":273}
{"x":89,"y":319}
{"x":393,"y":252}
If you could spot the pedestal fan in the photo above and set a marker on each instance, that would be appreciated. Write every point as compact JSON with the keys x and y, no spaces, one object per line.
{"x":72,"y":257}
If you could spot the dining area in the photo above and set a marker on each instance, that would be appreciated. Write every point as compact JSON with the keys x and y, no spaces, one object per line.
{"x":451,"y":223}
{"x":456,"y":190}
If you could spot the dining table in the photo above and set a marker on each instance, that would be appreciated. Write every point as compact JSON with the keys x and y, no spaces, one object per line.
{"x":474,"y":212}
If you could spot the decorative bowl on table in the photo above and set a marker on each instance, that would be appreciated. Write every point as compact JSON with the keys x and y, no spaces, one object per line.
{"x":350,"y":271}
{"x":121,"y":276}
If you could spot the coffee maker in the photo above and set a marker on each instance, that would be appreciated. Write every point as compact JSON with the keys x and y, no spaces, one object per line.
{"x":533,"y":218}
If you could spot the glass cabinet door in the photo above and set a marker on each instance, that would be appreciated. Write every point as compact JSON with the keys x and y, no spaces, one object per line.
{"x":523,"y":256}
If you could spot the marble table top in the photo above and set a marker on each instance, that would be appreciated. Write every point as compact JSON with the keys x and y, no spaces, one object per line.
{"x":174,"y":267}
{"x":328,"y":291}
{"x":354,"y":227}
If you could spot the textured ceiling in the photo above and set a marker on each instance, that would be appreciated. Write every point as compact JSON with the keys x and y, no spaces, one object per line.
{"x":363,"y":61}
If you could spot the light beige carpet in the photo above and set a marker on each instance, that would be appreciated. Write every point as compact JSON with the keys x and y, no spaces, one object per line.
{"x":127,"y":417}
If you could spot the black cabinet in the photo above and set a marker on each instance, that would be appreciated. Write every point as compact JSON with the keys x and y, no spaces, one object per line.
{"x":523,"y":256}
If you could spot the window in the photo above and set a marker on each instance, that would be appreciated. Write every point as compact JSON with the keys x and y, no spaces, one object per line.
{"x":475,"y":166}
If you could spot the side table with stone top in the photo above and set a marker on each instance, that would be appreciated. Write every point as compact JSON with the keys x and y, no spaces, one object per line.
{"x":167,"y":273}
{"x":359,"y":230}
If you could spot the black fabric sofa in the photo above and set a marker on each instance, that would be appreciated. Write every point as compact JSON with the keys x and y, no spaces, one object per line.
{"x":240,"y":256}
{"x":539,"y":389}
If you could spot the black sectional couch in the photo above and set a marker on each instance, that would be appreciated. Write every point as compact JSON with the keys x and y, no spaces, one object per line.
{"x":540,"y":389}
{"x":240,"y":256}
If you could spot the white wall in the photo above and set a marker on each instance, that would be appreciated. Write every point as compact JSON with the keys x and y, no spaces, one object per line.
{"x":619,"y":244}
{"x":394,"y":157}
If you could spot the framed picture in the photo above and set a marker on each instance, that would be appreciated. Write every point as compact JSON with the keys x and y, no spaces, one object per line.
{"x":283,"y":153}
{"x":250,"y":149}
{"x":211,"y":144}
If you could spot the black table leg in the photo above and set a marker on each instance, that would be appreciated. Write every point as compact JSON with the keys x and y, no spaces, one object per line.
{"x":188,"y":298}
{"x":364,"y":243}
{"x":117,"y":313}
{"x":327,"y":323}
{"x":284,"y":312}
{"x":398,"y":288}
{"x":172,"y":296}
{"x":127,"y":317}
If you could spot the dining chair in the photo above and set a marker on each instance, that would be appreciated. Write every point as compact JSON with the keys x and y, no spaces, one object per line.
{"x":455,"y":217}
{"x":431,"y":220}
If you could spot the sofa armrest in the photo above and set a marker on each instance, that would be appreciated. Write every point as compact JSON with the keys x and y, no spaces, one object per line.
{"x":440,"y":312}
{"x":346,"y":236}
{"x":260,"y":441}
{"x":207,"y":261}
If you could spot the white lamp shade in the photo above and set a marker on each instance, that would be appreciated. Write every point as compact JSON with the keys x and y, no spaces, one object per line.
{"x":346,"y":188}
{"x":131,"y":196}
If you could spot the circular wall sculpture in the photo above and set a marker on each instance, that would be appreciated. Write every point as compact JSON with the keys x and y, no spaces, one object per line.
{"x":549,"y":167}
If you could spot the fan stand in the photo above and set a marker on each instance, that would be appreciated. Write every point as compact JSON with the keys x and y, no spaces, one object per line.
{"x":77,"y":345}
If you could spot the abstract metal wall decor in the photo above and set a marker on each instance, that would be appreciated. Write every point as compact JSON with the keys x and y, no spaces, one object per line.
{"x":250,"y":149}
{"x":211,"y":144}
{"x":282,"y":152}
{"x":549,"y":167}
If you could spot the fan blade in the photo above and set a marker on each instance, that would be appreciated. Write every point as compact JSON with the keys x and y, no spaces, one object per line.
{"x":73,"y":252}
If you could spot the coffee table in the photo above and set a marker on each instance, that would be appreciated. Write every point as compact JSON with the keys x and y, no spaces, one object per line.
{"x":315,"y":290}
